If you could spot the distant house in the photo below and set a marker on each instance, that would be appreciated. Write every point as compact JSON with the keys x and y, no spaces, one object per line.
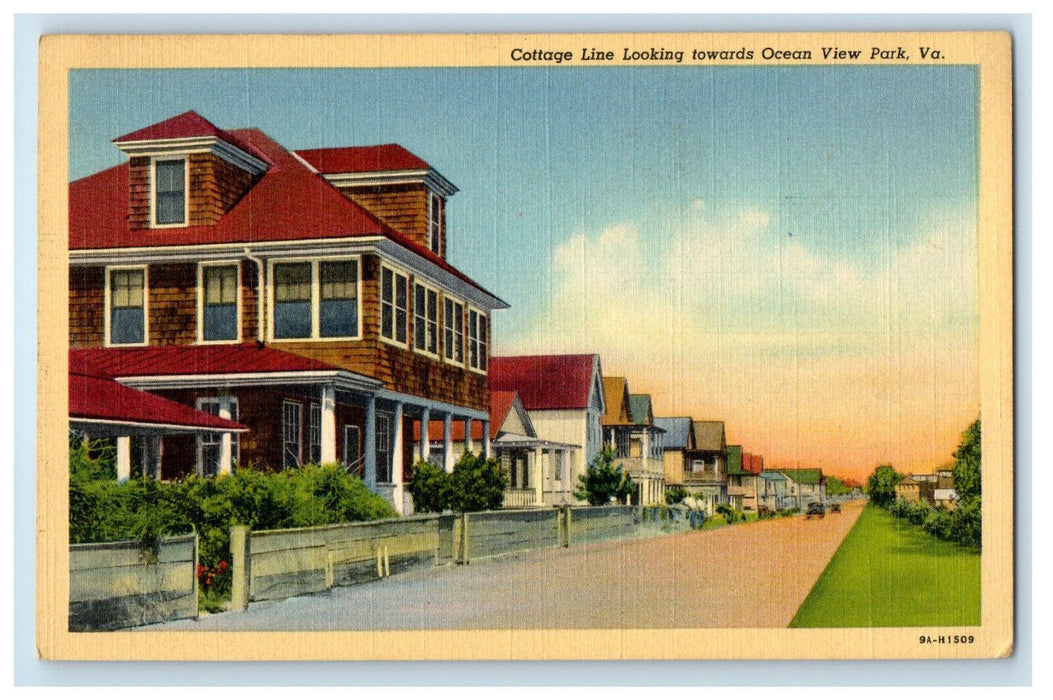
{"x":707,"y":476}
{"x":920,"y":487}
{"x":804,"y":486}
{"x":538,"y":470}
{"x":771,"y":491}
{"x":945,"y":498}
{"x":629,"y":429}
{"x":100,"y":407}
{"x":563,"y":395}
{"x":742,"y":481}
{"x":678,"y":440}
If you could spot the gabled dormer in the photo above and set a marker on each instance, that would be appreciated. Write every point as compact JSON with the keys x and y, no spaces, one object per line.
{"x":394,"y":185}
{"x":185,"y":171}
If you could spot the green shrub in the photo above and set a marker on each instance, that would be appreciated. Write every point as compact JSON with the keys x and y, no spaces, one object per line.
{"x":730,"y":514}
{"x":938,"y":523}
{"x":430,"y":488}
{"x":603,"y":481}
{"x":881,"y":485}
{"x":675,"y":494}
{"x":967,"y":522}
{"x":917,"y":512}
{"x":477,"y":483}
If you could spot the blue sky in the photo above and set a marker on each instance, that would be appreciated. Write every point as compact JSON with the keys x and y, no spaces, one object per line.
{"x":779,"y":214}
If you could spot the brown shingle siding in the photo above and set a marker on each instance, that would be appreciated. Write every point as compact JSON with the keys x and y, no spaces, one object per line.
{"x":173,"y":304}
{"x":86,"y":302}
{"x":215,"y":186}
{"x":403,"y":208}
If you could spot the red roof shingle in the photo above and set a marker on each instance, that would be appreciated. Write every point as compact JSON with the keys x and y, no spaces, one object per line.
{"x":545,"y":382}
{"x":362,"y":159}
{"x":189,"y":124}
{"x":172,"y":360}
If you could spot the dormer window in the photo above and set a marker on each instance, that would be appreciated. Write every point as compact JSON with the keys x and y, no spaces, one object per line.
{"x":169,"y":205}
{"x":435,"y":222}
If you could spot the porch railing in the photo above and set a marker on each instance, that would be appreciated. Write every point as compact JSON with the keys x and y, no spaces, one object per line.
{"x":519,"y":498}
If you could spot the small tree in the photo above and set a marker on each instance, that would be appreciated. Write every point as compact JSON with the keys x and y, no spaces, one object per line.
{"x":675,"y":494}
{"x":881,"y":485}
{"x":603,"y":481}
{"x":966,"y":470}
{"x":477,"y":483}
{"x":430,"y":488}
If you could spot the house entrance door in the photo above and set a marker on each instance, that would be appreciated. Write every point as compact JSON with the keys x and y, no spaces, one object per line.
{"x":353,"y":449}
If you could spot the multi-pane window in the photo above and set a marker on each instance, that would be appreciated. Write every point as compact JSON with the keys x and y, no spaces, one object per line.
{"x":219,"y":308}
{"x":292,"y":300}
{"x":425,"y":319}
{"x":316,"y":299}
{"x":210,"y":445}
{"x":338,"y":306}
{"x":314,"y":433}
{"x":170,"y":192}
{"x":292,"y":434}
{"x":435,"y":222}
{"x":383,"y":452}
{"x":394,"y":305}
{"x":477,"y":348}
{"x":453,"y":330}
{"x":127,"y":307}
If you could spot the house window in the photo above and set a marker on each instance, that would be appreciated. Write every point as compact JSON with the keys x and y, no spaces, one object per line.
{"x":352,"y":449}
{"x":435,"y":222}
{"x":127,"y":306}
{"x":316,"y":299}
{"x":338,"y":308}
{"x":292,"y":300}
{"x":425,"y":319}
{"x":314,"y":433}
{"x":453,"y":330}
{"x":169,"y":192}
{"x":559,"y":465}
{"x":292,"y":434}
{"x":477,"y":340}
{"x":219,"y":305}
{"x":210,"y":445}
{"x":383,"y":448}
{"x":394,"y":305}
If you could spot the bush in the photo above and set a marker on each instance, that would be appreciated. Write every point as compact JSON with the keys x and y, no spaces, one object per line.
{"x":917,"y":512}
{"x":731,"y":515}
{"x":881,"y":485}
{"x":430,"y":488}
{"x":476,"y":484}
{"x":603,"y":481}
{"x":966,"y":522}
{"x":675,"y":494}
{"x":938,"y":523}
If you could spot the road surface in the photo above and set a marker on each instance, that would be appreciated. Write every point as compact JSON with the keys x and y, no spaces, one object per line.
{"x":747,"y":575}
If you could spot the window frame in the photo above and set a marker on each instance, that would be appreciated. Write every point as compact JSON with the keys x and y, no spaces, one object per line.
{"x":314,"y":410}
{"x":396,"y":273}
{"x":464,"y":327}
{"x":108,"y":306}
{"x":153,"y":191}
{"x":235,"y":438}
{"x":201,"y":303}
{"x":439,"y":303}
{"x":435,"y":222}
{"x":469,"y":340}
{"x":316,"y":298}
{"x":387,"y":420}
{"x":299,"y":409}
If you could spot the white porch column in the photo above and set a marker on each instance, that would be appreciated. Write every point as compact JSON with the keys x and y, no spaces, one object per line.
{"x":469,"y":444}
{"x":369,"y":443}
{"x":425,"y":443}
{"x":539,"y":476}
{"x":124,"y":458}
{"x":328,"y":427}
{"x":447,"y":442}
{"x":487,"y":450}
{"x":226,"y":449}
{"x":396,"y":458}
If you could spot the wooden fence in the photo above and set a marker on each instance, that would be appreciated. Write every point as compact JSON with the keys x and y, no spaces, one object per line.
{"x":270,"y":565}
{"x":115,"y":585}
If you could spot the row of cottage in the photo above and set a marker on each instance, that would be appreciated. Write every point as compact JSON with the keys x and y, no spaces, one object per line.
{"x":234,"y":302}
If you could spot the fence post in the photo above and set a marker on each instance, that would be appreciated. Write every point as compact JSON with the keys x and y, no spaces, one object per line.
{"x":465,"y":554}
{"x":197,"y":562}
{"x":566,"y":526}
{"x":239,"y":567}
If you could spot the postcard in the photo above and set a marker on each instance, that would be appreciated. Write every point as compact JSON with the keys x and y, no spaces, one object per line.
{"x":613,"y":346}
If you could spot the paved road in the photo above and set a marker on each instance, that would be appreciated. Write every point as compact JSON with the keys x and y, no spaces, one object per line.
{"x":754,"y":575}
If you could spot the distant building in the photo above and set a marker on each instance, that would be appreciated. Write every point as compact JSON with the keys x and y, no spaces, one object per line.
{"x":804,"y":486}
{"x":707,"y":476}
{"x":679,"y":439}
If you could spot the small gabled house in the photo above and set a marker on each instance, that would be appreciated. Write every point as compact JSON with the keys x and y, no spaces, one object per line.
{"x":803,"y":486}
{"x":308,"y":293}
{"x":771,"y":491}
{"x":629,"y":429}
{"x":917,"y":487}
{"x":677,"y":441}
{"x":742,"y":479}
{"x":707,"y":476}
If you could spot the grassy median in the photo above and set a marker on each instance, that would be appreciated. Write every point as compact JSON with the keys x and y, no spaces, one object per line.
{"x":888,"y":573}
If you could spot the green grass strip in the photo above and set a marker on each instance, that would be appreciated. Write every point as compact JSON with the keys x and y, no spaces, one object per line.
{"x":888,"y":573}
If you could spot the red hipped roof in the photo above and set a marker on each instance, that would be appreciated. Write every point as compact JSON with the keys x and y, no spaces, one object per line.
{"x":183,"y":126}
{"x":363,"y":159}
{"x":171,"y":360}
{"x":288,"y":203}
{"x":96,"y":396}
{"x":545,"y":382}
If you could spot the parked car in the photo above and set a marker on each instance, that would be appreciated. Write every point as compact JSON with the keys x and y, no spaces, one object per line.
{"x":815,"y":508}
{"x":835,"y":507}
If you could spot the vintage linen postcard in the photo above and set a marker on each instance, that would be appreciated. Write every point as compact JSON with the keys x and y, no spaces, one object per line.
{"x":646,"y":346}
